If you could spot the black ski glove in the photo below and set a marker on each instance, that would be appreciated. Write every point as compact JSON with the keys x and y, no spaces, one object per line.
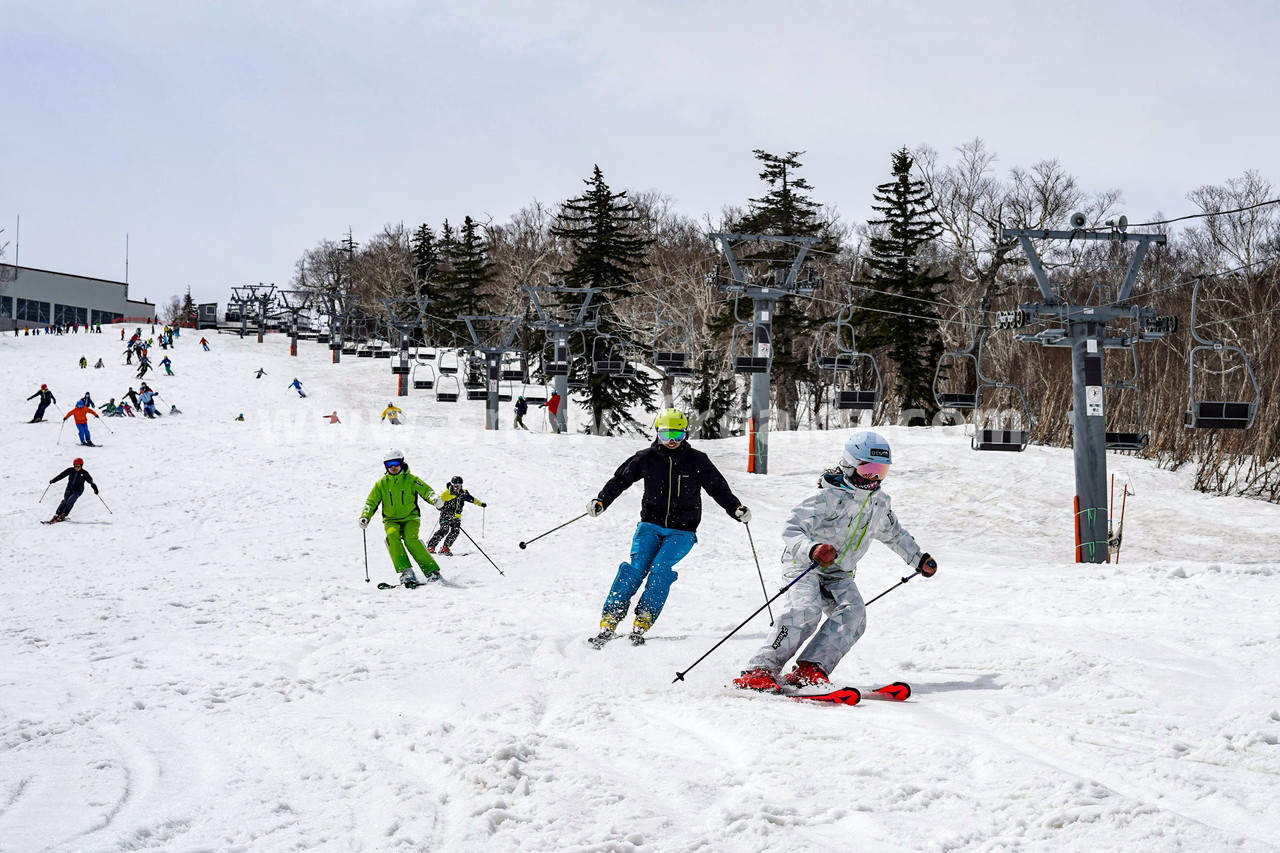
{"x":95,"y":488}
{"x":928,"y":566}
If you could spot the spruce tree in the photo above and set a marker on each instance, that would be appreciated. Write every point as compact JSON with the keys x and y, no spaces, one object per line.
{"x":787,"y":210}
{"x":425,"y":253}
{"x":898,"y":316}
{"x":188,"y":308}
{"x":600,"y":227}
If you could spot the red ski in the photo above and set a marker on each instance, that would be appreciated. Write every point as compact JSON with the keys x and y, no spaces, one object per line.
{"x":899,"y":691}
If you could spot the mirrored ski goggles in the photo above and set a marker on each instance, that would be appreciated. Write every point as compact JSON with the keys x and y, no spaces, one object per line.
{"x":672,"y":434}
{"x":393,"y":463}
{"x":873,"y":471}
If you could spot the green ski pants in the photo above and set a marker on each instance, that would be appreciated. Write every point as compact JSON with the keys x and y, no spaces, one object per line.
{"x":402,"y":536}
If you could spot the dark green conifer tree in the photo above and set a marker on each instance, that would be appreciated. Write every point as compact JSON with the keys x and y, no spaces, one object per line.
{"x":787,"y":210}
{"x":898,"y":317}
{"x":600,"y":227}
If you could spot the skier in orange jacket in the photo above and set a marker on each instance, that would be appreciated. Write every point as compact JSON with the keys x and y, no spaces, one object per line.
{"x":81,"y":413}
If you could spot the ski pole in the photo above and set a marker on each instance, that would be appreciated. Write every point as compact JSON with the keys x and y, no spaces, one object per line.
{"x":364,"y":531}
{"x":481,"y":550}
{"x":680,"y":675}
{"x":104,"y":503}
{"x":482,"y":509}
{"x":60,"y":429}
{"x":104,"y":424}
{"x":552,"y":530}
{"x":895,"y":586}
{"x":45,"y":492}
{"x":760,"y":573}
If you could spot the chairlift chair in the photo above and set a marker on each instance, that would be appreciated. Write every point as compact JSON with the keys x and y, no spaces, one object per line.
{"x":607,"y":359}
{"x":1137,"y":437}
{"x":506,"y":392}
{"x":745,"y":363}
{"x":535,"y":397}
{"x":364,"y":350}
{"x":399,"y":368}
{"x":513,"y":369}
{"x":348,"y":349}
{"x":448,"y":363}
{"x":447,"y":389}
{"x":965,"y":397}
{"x":1219,"y":414}
{"x":989,"y":438}
{"x":843,"y":364}
{"x":428,"y":379}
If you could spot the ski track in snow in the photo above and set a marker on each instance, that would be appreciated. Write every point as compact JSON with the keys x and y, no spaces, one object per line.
{"x":209,"y":670}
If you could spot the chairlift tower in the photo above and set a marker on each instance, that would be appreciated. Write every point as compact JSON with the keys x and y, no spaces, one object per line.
{"x":260,"y":295}
{"x":559,"y":317}
{"x":495,"y":337}
{"x":1083,"y":328}
{"x":295,"y":303}
{"x":339,"y":310}
{"x":764,"y":292}
{"x":396,"y":320}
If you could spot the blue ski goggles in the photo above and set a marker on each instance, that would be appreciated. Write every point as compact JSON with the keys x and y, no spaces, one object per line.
{"x":672,"y":434}
{"x":393,"y":463}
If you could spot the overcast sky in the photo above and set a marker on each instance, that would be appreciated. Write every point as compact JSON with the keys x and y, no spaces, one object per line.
{"x":226,"y":138}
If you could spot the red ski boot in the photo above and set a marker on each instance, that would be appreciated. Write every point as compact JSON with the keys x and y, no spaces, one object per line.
{"x":758,"y":679}
{"x":806,"y":674}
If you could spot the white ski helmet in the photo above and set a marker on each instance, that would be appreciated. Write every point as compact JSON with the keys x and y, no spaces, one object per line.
{"x":393,"y":456}
{"x":868,"y":454}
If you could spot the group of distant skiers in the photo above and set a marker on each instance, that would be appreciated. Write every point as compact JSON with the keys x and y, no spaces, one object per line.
{"x":825,"y":537}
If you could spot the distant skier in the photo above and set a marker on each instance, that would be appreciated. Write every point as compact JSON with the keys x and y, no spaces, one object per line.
{"x":174,"y":410}
{"x":451,"y":516}
{"x":84,"y":362}
{"x":522,"y":409}
{"x":298,"y":385}
{"x":392,"y":413}
{"x":132,"y":396}
{"x":240,"y":416}
{"x":148,"y":399}
{"x":111,"y":410}
{"x":144,"y":364}
{"x":99,"y":365}
{"x":87,"y":400}
{"x":167,"y":365}
{"x":204,"y":343}
{"x":398,"y":491}
{"x":822,"y":544}
{"x":77,"y":478}
{"x":81,"y":414}
{"x":332,"y":417}
{"x":553,"y":412}
{"x":674,"y":476}
{"x":261,"y":373}
{"x":46,"y":397}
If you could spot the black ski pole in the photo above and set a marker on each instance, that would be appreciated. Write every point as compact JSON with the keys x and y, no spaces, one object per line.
{"x":552,"y":530}
{"x":680,"y":675}
{"x":364,"y":531}
{"x":45,"y":492}
{"x":892,"y":588}
{"x":481,"y":550}
{"x":60,"y":429}
{"x":763,"y":588}
{"x":104,"y":503}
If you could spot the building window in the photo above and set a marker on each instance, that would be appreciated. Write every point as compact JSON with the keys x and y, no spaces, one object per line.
{"x":103,"y":317}
{"x":65,"y":315}
{"x":32,"y":310}
{"x":6,"y":306}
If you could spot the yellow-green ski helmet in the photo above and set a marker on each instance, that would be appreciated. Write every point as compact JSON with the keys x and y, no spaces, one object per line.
{"x":669,"y":422}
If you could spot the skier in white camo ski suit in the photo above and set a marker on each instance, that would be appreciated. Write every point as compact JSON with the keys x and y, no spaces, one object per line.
{"x":833,"y":529}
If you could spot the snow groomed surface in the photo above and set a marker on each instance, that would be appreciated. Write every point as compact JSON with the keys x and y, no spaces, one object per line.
{"x":207,"y":670}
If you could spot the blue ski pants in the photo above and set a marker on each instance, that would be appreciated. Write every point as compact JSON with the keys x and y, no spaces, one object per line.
{"x":654,"y":552}
{"x":83,"y":429}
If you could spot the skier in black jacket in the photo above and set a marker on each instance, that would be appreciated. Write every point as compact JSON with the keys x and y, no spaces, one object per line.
{"x":451,"y":516}
{"x":674,"y":476}
{"x":77,"y":477}
{"x":46,"y":397}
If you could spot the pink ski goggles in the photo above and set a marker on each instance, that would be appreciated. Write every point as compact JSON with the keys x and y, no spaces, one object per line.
{"x":874,"y":471}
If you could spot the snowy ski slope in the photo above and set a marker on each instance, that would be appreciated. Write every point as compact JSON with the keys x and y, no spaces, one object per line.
{"x":204,"y":667}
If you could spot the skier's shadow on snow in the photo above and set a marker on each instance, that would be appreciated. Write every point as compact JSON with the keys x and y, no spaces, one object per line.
{"x":982,"y":682}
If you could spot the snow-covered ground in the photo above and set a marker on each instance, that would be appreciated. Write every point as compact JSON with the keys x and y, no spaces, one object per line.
{"x":204,"y":667}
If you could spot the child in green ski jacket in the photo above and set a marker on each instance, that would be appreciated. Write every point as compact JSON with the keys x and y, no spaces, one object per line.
{"x":398,"y":493}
